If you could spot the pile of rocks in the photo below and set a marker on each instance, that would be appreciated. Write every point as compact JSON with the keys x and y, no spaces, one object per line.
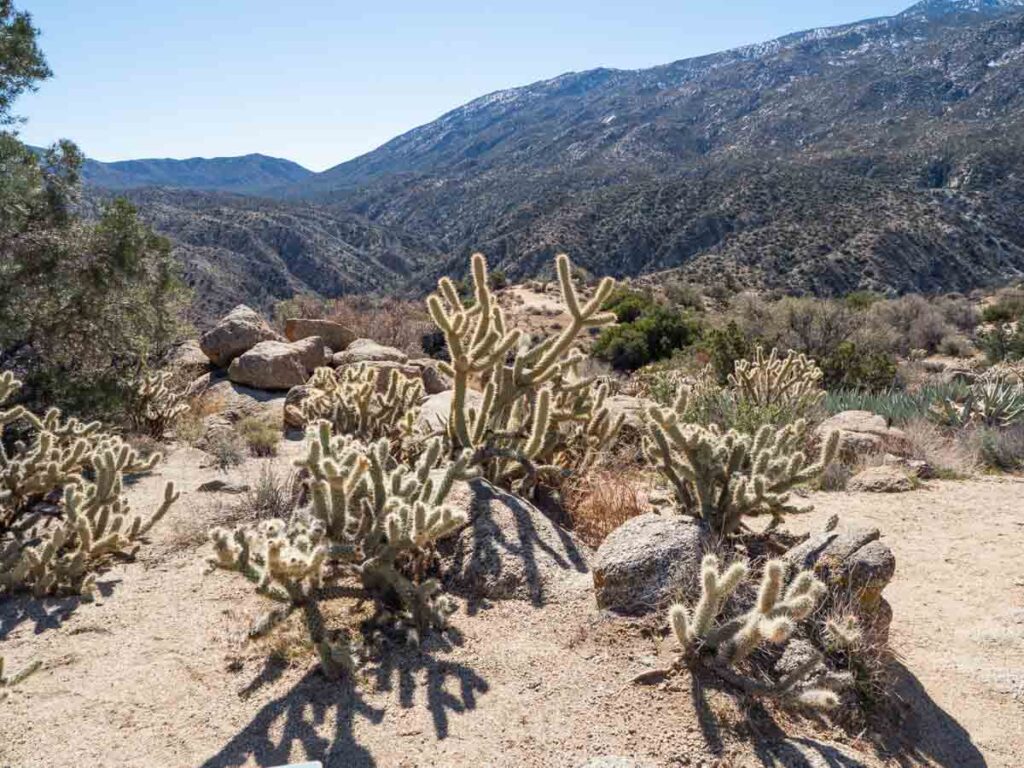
{"x":250,"y":369}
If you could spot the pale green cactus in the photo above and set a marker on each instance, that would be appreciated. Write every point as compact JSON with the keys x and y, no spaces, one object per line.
{"x":535,"y":412}
{"x":62,"y":509}
{"x":721,"y":477}
{"x":793,"y":380}
{"x":772,"y":619}
{"x":157,"y":404}
{"x":351,"y":400}
{"x":370,"y":522}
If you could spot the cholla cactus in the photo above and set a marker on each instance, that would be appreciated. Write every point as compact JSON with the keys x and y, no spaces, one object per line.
{"x":535,"y":410}
{"x":773,"y":619}
{"x":9,"y":681}
{"x":370,"y":519}
{"x":721,"y":477}
{"x":351,"y":401}
{"x":791,"y":384}
{"x":992,"y":402}
{"x":57,"y":525}
{"x":156,"y":404}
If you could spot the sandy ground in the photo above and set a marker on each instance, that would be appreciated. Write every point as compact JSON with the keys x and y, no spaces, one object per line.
{"x":958,"y":604}
{"x":157,"y":673}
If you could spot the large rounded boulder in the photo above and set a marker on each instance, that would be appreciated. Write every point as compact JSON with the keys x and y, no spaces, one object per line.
{"x":648,"y":562}
{"x":269,"y":365}
{"x":237,"y":332}
{"x":335,"y":335}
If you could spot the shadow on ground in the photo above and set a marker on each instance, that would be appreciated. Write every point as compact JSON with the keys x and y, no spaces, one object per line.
{"x":922,"y":733}
{"x":46,"y":613}
{"x":316,"y":719}
{"x":512,"y":545}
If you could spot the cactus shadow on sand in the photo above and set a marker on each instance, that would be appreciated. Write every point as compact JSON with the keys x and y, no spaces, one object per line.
{"x":46,"y":613}
{"x":496,"y":547}
{"x":927,"y":734}
{"x":317,"y":717}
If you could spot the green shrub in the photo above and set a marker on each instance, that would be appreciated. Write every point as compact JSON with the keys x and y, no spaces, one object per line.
{"x":629,"y":305}
{"x":851,"y":367}
{"x":1008,"y":307}
{"x":724,"y":346}
{"x":260,"y":435}
{"x":654,"y":335}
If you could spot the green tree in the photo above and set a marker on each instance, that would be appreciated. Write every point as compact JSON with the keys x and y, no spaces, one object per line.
{"x":84,"y":305}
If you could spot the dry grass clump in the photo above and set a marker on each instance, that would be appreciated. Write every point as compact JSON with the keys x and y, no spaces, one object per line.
{"x":273,"y":495}
{"x":600,"y":500}
{"x":260,"y":435}
{"x":949,"y":456}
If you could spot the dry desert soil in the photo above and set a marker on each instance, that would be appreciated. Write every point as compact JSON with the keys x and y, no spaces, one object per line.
{"x":158,"y":672}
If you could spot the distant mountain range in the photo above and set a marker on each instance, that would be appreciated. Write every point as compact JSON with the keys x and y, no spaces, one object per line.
{"x":886,"y":154}
{"x":248,"y":174}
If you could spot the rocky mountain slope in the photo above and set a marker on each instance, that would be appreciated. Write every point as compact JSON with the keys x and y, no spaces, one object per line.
{"x":883,"y":154}
{"x":246,"y":174}
{"x":886,"y":154}
{"x":245,"y":249}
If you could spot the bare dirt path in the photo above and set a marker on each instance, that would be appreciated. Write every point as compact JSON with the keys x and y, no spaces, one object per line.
{"x":958,"y":603}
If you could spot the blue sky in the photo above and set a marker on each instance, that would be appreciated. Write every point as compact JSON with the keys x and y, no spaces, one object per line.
{"x":320,"y":82}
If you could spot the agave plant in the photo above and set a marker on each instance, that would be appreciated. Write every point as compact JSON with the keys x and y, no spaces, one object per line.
{"x":992,"y":402}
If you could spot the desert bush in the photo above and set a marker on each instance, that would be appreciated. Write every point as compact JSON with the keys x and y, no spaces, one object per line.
{"x":723,"y":644}
{"x":685,"y":295}
{"x":723,"y":477}
{"x":849,"y":366}
{"x":1008,"y":307}
{"x":956,"y":345}
{"x":273,"y":495}
{"x":949,"y":456}
{"x":389,"y":321}
{"x":62,"y":513}
{"x":629,"y":305}
{"x":998,"y":449}
{"x":724,"y":346}
{"x":537,"y":417}
{"x":226,"y":447}
{"x":653,"y":335}
{"x":909,"y":322}
{"x":600,"y":500}
{"x":260,"y":435}
{"x":370,"y":525}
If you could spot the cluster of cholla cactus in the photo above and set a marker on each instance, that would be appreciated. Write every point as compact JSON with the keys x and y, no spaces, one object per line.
{"x":350,"y":399}
{"x":772,"y":619}
{"x":157,"y":404}
{"x":789,"y":385}
{"x":536,"y":415}
{"x":721,"y":477}
{"x":9,"y":681}
{"x":367,"y":532}
{"x":62,"y":512}
{"x":994,"y":400}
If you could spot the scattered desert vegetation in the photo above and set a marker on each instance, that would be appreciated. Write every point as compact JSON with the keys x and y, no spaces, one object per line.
{"x":607,"y":497}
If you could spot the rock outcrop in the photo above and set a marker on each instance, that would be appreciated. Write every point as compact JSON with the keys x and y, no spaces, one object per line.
{"x":269,"y":365}
{"x":238,"y":331}
{"x":335,"y":335}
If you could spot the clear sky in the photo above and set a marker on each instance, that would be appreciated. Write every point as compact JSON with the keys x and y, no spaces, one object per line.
{"x":320,"y":82}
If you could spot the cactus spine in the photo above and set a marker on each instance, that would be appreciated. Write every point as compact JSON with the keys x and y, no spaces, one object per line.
{"x":370,"y":519}
{"x":773,"y":619}
{"x":721,"y":477}
{"x":535,"y":410}
{"x":57,"y":525}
